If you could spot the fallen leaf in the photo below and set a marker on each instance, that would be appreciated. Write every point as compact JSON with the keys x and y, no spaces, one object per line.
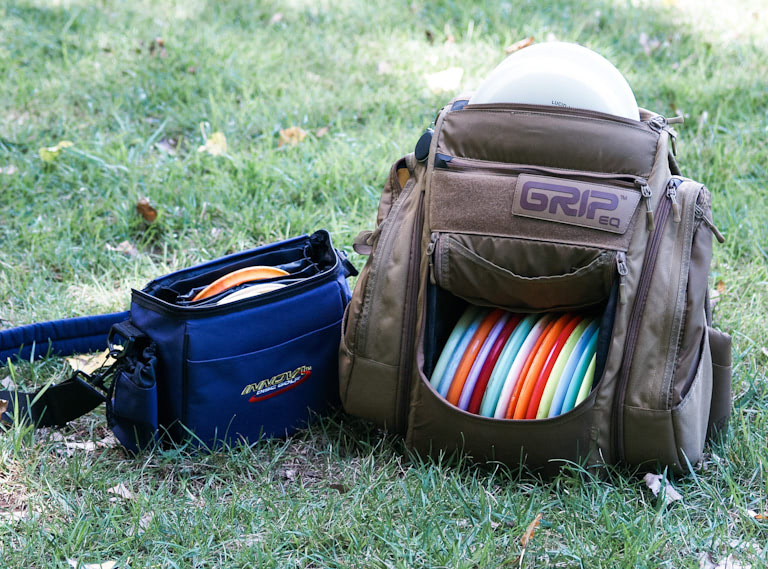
{"x":192,"y":70}
{"x":124,"y":247}
{"x":14,"y":515}
{"x":145,"y":209}
{"x":658,"y":484}
{"x":215,"y":145}
{"x":51,"y":153}
{"x":107,"y":442}
{"x":754,"y":515}
{"x":157,"y":47}
{"x":77,"y":564}
{"x":322,"y":131}
{"x":3,"y":406}
{"x":293,"y":136}
{"x":289,"y":474}
{"x":144,"y":522}
{"x":383,"y":67}
{"x":530,"y":530}
{"x":648,"y":43}
{"x":7,"y":383}
{"x":720,"y":286}
{"x":430,"y":36}
{"x":89,"y":363}
{"x":340,"y":488}
{"x":707,"y":562}
{"x":764,"y":351}
{"x":120,"y":491}
{"x":9,"y":170}
{"x":72,"y":446}
{"x":276,"y":18}
{"x":518,"y":45}
{"x":446,"y":80}
{"x":168,"y":145}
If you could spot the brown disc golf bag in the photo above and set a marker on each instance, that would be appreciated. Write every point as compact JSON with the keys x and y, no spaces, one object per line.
{"x":536,"y":209}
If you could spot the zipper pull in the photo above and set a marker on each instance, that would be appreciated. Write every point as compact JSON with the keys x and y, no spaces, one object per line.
{"x":699,"y":212}
{"x":645,"y":191}
{"x":672,"y":195}
{"x":623,"y":270}
{"x":431,"y":258}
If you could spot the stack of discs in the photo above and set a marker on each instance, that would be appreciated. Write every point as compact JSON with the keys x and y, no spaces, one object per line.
{"x":516,"y":366}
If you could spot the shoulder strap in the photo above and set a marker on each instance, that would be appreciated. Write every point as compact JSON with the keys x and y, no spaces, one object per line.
{"x":58,"y":337}
{"x":56,"y":405}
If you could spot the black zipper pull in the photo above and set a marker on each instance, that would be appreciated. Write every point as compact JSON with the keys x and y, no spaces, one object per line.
{"x":623,"y":270}
{"x":645,"y":191}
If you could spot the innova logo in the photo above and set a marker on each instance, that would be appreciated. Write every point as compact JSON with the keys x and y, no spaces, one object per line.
{"x":266,"y":388}
{"x":576,"y":203}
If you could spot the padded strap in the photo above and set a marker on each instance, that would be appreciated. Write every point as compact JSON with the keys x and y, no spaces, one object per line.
{"x":59,"y":337}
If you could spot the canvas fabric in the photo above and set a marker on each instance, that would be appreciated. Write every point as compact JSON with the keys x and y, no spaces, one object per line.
{"x":464,"y":226}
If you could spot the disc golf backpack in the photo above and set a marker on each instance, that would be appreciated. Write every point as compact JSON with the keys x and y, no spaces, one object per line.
{"x":535,"y":217}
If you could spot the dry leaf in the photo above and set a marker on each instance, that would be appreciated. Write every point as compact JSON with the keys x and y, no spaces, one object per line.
{"x":51,"y":153}
{"x":720,"y":287}
{"x":89,"y":363}
{"x":72,"y":446}
{"x":168,"y":145}
{"x":77,"y":564}
{"x":124,"y":247}
{"x":3,"y":406}
{"x":292,"y":136}
{"x":648,"y":43}
{"x":9,"y":170}
{"x":276,"y":18}
{"x":144,"y":522}
{"x":7,"y":383}
{"x":530,"y":530}
{"x":658,"y":484}
{"x":289,"y":474}
{"x":145,"y":209}
{"x":518,"y":45}
{"x":322,"y":131}
{"x":14,"y":515}
{"x":444,"y":81}
{"x":383,"y":67}
{"x":340,"y":488}
{"x":215,"y":145}
{"x":764,"y":351}
{"x":707,"y":562}
{"x":120,"y":491}
{"x":754,"y":515}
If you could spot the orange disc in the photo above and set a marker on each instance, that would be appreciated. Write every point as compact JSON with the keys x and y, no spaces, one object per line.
{"x":541,"y":374}
{"x":521,"y":376}
{"x":238,"y":277}
{"x":454,"y":392}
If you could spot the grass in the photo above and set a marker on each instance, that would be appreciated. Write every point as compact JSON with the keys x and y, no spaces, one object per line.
{"x":341,"y":493}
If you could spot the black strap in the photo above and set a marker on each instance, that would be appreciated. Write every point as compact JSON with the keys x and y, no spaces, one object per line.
{"x":56,"y":405}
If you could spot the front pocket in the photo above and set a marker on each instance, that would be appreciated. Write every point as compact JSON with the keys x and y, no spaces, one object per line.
{"x":436,"y":427}
{"x":269,"y":392}
{"x":519,"y":274}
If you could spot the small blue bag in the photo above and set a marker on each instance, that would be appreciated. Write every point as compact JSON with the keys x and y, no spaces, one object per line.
{"x":216,"y":372}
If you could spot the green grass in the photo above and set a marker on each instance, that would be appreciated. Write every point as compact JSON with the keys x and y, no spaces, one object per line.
{"x":340,"y":494}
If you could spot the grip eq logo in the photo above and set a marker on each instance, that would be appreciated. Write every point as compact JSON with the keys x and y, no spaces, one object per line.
{"x":576,"y":203}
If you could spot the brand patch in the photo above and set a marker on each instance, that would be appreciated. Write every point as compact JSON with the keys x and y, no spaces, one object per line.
{"x":598,"y":206}
{"x":276,"y":384}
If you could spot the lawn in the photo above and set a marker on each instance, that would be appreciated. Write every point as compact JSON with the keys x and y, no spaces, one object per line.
{"x":138,"y":88}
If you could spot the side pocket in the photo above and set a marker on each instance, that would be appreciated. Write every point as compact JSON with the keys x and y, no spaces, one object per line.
{"x":376,"y":322}
{"x":132,"y":409}
{"x":720,"y":410}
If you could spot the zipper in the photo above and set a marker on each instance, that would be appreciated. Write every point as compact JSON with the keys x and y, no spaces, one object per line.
{"x":434,"y":260}
{"x":461,"y":164}
{"x":623,"y":270}
{"x":701,"y":215}
{"x":635,"y":318}
{"x":551,"y":110}
{"x":409,"y":330}
{"x":148,"y":301}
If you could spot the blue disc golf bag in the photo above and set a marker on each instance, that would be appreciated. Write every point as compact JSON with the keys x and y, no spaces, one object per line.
{"x":200,"y":370}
